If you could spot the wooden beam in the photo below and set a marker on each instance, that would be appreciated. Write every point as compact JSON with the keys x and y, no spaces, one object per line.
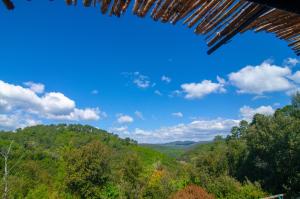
{"x":287,"y":5}
{"x":226,"y":38}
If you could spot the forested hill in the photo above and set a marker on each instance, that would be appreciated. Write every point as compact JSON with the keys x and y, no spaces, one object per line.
{"x":259,"y":158}
{"x":265,"y":151}
{"x":75,"y":161}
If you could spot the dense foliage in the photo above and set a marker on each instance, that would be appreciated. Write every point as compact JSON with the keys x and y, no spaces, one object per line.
{"x":257,"y":159}
{"x":270,"y":150}
{"x":75,"y":161}
{"x":192,"y":192}
{"x":263,"y":153}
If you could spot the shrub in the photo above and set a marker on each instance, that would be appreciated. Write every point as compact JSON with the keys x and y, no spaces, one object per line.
{"x":192,"y":192}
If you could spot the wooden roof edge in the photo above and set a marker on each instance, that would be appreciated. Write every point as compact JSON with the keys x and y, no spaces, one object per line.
{"x":219,"y":20}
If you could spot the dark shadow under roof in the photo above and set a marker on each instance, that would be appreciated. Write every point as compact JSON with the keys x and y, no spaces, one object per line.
{"x":219,"y":20}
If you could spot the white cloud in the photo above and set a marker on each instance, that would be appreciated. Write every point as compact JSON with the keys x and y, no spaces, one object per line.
{"x":293,"y":91}
{"x":124,"y":119}
{"x":35,"y":87}
{"x":175,"y":93}
{"x":88,"y":114}
{"x":199,"y":90}
{"x":198,"y":130}
{"x":247,"y":112}
{"x":157,"y":92}
{"x":139,"y":115}
{"x":141,"y":81}
{"x":177,"y":114}
{"x":296,"y":77}
{"x":121,"y":129}
{"x":14,"y":121}
{"x":57,"y":104}
{"x":257,"y":97}
{"x":17,"y":102}
{"x":291,"y":62}
{"x":261,"y":79}
{"x":95,"y":92}
{"x":166,"y":79}
{"x":16,"y":96}
{"x":221,"y":80}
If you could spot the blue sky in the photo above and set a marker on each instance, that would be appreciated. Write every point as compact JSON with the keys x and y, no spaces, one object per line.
{"x":135,"y":77}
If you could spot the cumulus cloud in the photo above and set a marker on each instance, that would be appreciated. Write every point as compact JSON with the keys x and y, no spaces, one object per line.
{"x":291,"y":62}
{"x":247,"y":112}
{"x":206,"y":87}
{"x":87,"y":114}
{"x":35,"y":87}
{"x":17,"y":101}
{"x":198,"y":130}
{"x":166,"y":79}
{"x":121,"y":129}
{"x":177,"y":114}
{"x":263,"y":78}
{"x":56,"y":104}
{"x":122,"y":119}
{"x":15,"y":121}
{"x":296,"y":77}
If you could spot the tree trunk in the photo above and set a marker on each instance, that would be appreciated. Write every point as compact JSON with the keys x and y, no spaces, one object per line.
{"x":5,"y":194}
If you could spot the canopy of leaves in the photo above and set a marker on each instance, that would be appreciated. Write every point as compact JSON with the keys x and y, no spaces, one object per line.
{"x":75,"y":161}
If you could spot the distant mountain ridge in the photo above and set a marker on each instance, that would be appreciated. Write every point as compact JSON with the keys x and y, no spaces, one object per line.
{"x":180,"y":143}
{"x":185,"y":143}
{"x":175,"y":149}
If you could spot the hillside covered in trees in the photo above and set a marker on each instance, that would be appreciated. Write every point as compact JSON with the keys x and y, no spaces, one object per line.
{"x":258,"y":159}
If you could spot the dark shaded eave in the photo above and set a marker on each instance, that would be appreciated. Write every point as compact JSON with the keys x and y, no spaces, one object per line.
{"x":218,"y":20}
{"x":292,"y":6}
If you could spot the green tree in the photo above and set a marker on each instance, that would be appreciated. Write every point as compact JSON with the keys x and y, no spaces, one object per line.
{"x":268,"y":150}
{"x":296,"y":100}
{"x":239,"y":131}
{"x":88,"y":170}
{"x":274,"y":152}
{"x":213,"y":161}
{"x":131,"y":176}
